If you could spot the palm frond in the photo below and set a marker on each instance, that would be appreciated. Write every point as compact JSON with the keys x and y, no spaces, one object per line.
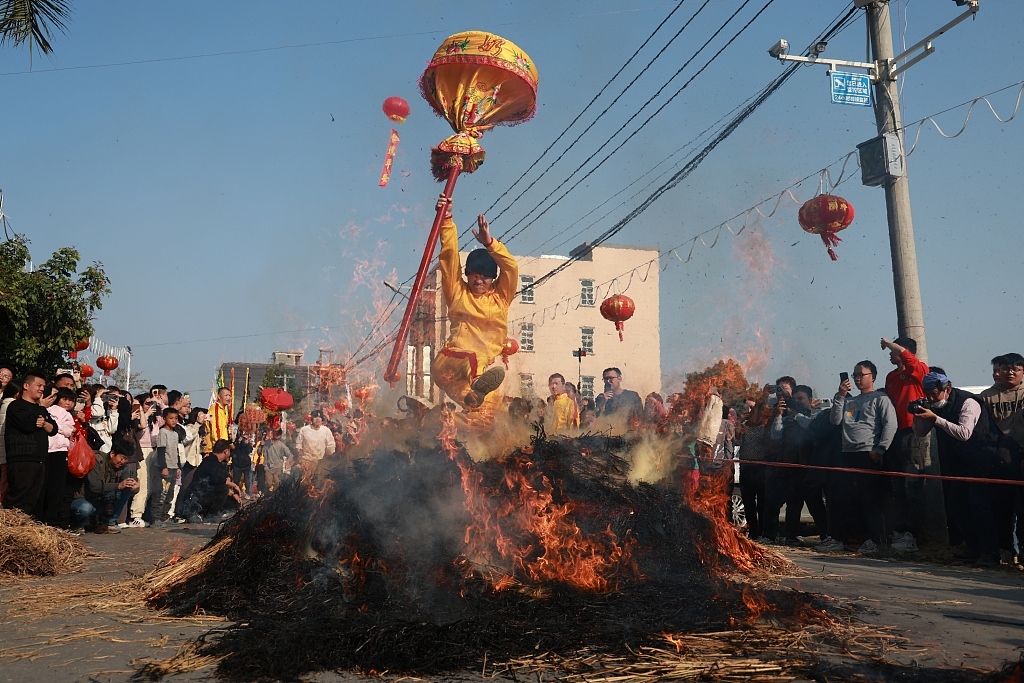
{"x":31,"y":21}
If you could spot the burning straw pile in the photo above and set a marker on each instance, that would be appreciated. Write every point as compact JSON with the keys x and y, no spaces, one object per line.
{"x":423,"y":561}
{"x":30,"y":549}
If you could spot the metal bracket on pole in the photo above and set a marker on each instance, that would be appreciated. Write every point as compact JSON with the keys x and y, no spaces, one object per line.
{"x":870,"y":67}
{"x":925,"y":43}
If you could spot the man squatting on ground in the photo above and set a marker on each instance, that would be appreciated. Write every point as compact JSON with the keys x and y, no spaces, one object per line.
{"x":478,"y":311}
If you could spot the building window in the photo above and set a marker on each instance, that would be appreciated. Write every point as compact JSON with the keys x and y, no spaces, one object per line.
{"x":525,"y":384}
{"x":587,"y":340}
{"x":526,"y":289}
{"x":586,"y":292}
{"x":526,"y":337}
{"x":587,"y":387}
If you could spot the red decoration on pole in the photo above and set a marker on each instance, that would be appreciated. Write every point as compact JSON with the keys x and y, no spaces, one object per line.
{"x":396,"y":109}
{"x":86,"y":371}
{"x":618,"y":309}
{"x":511,"y":348}
{"x":825,"y":215}
{"x":106,"y":364}
{"x":389,"y":159}
{"x":80,"y":346}
{"x":275,"y":399}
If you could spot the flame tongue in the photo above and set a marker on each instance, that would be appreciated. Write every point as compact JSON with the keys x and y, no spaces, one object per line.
{"x":523,"y":530}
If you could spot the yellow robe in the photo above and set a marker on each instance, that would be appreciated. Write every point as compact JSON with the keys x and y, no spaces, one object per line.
{"x":217,"y":426}
{"x":564,"y":414}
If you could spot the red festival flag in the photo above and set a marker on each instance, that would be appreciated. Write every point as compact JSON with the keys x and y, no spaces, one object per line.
{"x":389,"y":159}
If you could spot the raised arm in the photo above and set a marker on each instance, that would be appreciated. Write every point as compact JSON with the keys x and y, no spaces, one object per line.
{"x":451,"y":267}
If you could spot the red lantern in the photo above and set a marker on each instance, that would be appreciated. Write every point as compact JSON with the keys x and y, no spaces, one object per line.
{"x":80,"y":346}
{"x":618,"y":309}
{"x":290,"y":427}
{"x":510,"y":348}
{"x":86,"y":371}
{"x":275,"y":399}
{"x":363,"y":394}
{"x":396,"y":109}
{"x":251,"y":418}
{"x":825,"y":215}
{"x":340,"y":406}
{"x":106,"y":364}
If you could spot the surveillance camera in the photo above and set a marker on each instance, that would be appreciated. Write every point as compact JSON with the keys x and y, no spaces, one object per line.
{"x":780,"y":48}
{"x":819,"y":47}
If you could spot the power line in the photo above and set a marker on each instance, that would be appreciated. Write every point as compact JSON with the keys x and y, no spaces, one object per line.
{"x":642,"y":125}
{"x":317,"y":44}
{"x":585,"y":109}
{"x":600,"y":115}
{"x":507,"y":237}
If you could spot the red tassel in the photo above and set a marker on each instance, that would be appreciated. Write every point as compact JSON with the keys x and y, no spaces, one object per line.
{"x":831,"y":240}
{"x":620,"y":327}
{"x":504,"y":359}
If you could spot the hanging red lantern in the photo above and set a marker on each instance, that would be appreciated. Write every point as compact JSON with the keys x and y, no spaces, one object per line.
{"x":86,"y":371}
{"x":80,"y":346}
{"x":363,"y":393}
{"x":340,"y":406}
{"x":825,"y":215}
{"x":618,"y":309}
{"x":396,"y":109}
{"x":510,"y":348}
{"x":274,"y":399}
{"x":106,"y":364}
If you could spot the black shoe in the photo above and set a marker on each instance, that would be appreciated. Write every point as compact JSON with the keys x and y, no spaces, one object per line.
{"x":985,"y":562}
{"x":488,"y":382}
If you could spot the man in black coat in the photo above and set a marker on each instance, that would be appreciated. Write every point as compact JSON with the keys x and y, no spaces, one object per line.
{"x":26,"y":439}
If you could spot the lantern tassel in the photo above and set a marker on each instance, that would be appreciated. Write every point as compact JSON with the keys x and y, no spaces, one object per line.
{"x":504,"y":359}
{"x":831,"y":241}
{"x":620,"y":327}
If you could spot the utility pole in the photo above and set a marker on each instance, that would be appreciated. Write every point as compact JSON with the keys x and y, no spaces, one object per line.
{"x":909,"y":310}
{"x":880,"y":165}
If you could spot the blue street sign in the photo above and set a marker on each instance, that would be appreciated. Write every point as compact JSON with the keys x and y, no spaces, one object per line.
{"x":850,"y":88}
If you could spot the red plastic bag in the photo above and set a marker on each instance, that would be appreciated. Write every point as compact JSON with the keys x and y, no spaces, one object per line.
{"x":81,"y":458}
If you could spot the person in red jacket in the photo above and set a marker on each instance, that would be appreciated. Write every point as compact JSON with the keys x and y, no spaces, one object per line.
{"x":903,"y":386}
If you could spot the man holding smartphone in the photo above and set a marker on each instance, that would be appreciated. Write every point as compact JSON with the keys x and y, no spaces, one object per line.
{"x":868,"y":426}
{"x":617,"y":403}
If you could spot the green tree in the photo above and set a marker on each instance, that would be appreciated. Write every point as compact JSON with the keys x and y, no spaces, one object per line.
{"x":30,"y":21}
{"x":275,"y":378}
{"x":44,"y":312}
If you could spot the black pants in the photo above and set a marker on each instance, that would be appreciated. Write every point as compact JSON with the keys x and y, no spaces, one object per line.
{"x":240,"y":475}
{"x":752,"y":490}
{"x":896,"y":459}
{"x":812,"y":492}
{"x":782,"y":487}
{"x":971,"y":506}
{"x":54,"y":494}
{"x":261,"y":479}
{"x":27,"y":480}
{"x":859,"y":498}
{"x":163,"y":494}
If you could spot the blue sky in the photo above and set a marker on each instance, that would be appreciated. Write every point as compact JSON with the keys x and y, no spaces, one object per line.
{"x":224,"y":202}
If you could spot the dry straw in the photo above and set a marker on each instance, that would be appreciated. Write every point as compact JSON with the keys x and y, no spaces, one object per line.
{"x":30,"y":549}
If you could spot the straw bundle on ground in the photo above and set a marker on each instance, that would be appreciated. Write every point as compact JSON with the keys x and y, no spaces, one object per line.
{"x":27,"y":548}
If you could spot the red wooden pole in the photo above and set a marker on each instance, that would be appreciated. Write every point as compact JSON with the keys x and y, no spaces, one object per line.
{"x":391,"y":375}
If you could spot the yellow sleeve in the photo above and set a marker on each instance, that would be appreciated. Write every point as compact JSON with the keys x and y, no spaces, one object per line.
{"x":451,"y":267}
{"x":508,"y":278}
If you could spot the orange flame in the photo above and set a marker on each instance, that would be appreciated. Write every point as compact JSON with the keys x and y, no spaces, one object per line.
{"x":755,"y":602}
{"x":531,"y":533}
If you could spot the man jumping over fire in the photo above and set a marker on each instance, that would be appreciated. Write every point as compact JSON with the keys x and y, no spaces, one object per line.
{"x":478,"y":312}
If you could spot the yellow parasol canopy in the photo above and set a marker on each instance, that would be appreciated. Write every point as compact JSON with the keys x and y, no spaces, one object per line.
{"x":475,"y":81}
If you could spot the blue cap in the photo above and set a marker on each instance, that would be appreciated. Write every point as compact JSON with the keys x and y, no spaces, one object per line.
{"x":934,"y":380}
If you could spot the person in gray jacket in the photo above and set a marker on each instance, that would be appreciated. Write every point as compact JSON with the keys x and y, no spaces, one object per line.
{"x":868,"y":424}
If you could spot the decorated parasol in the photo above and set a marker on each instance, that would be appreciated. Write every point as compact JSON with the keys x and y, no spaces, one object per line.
{"x":475,"y":81}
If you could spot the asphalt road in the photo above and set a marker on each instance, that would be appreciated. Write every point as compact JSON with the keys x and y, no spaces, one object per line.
{"x":951,"y":616}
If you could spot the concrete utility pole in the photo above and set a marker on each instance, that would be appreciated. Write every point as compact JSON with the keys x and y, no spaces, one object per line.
{"x":909,"y":310}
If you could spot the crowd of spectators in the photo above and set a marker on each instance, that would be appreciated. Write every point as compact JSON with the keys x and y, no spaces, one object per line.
{"x":158,"y":460}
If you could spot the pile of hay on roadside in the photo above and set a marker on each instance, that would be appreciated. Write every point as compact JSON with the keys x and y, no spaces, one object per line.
{"x":27,"y":548}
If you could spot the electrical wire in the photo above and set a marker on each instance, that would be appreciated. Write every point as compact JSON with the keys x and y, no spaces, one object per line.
{"x":585,"y":109}
{"x":506,"y":236}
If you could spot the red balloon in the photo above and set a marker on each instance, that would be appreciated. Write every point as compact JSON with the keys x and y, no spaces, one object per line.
{"x":825,"y":215}
{"x":618,"y":309}
{"x":396,"y":109}
{"x":340,"y":406}
{"x":86,"y":371}
{"x":106,"y":364}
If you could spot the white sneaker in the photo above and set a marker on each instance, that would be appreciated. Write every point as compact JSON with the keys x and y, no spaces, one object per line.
{"x":830,"y":545}
{"x":868,"y":547}
{"x":137,"y":524}
{"x":904,"y":543}
{"x":122,"y":525}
